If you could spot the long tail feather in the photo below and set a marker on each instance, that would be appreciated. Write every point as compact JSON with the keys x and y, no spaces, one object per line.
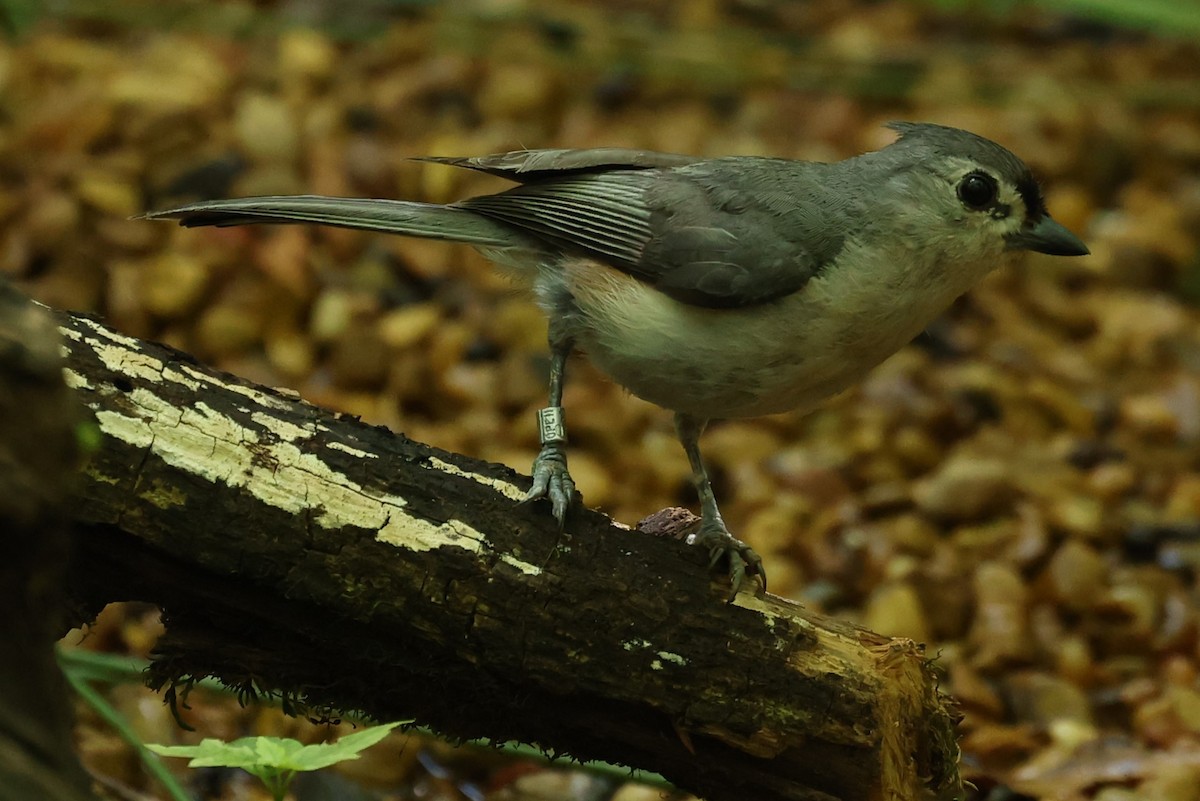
{"x":409,"y":218}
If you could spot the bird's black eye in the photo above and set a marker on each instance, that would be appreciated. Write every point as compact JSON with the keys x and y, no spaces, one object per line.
{"x":977,"y":190}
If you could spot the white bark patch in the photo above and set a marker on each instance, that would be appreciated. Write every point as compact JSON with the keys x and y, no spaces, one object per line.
{"x":122,"y":354}
{"x":676,"y":659}
{"x":259,"y":397}
{"x":344,"y":448}
{"x":511,"y":491}
{"x":204,"y":442}
{"x":75,"y":380}
{"x":112,"y":336}
{"x":283,"y":429}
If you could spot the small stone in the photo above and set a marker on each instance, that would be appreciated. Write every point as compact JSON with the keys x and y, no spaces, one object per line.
{"x":966,"y":488}
{"x":128,"y":234}
{"x":149,"y":718}
{"x":632,"y":791}
{"x":331,"y":314}
{"x":107,"y":753}
{"x":1172,"y":782}
{"x":894,"y":609}
{"x":124,"y":291}
{"x":1004,"y":742}
{"x":1030,"y":540}
{"x":1178,"y":624}
{"x":265,"y":127}
{"x":668,"y":465}
{"x":406,"y":326}
{"x":226,"y":328}
{"x":973,"y":691}
{"x":51,"y":218}
{"x":439,"y":183}
{"x":1186,"y":701}
{"x":592,"y":478}
{"x":359,"y":359}
{"x":16,"y":254}
{"x":774,"y":527}
{"x":275,"y":178}
{"x":1077,"y":573}
{"x":108,"y":192}
{"x":447,"y":345}
{"x":1183,"y":505}
{"x":916,"y":448}
{"x":392,"y":762}
{"x":1073,"y":205}
{"x":800,"y":470}
{"x":1063,"y":403}
{"x":283,"y":254}
{"x":169,"y":75}
{"x":1112,"y":793}
{"x":1000,"y":630}
{"x":1138,"y":606}
{"x":1077,"y":515}
{"x":912,"y":533}
{"x":739,"y":441}
{"x":518,"y":324}
{"x":884,"y":499}
{"x":172,"y":283}
{"x":1046,"y":700}
{"x":290,"y":352}
{"x":1111,"y":481}
{"x":469,"y":383}
{"x":1150,"y":415}
{"x":306,"y":53}
{"x":1070,"y":734}
{"x":557,"y":784}
{"x":515,"y":91}
{"x":1168,"y":719}
{"x":1074,"y":659}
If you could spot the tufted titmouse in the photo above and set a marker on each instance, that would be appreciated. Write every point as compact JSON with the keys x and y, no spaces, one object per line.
{"x":727,"y":287}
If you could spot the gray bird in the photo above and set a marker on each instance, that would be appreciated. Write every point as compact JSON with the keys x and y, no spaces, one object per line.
{"x":726,"y":287}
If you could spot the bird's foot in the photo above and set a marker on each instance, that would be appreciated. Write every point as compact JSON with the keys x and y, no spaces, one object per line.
{"x":551,"y":480}
{"x":743,"y":561}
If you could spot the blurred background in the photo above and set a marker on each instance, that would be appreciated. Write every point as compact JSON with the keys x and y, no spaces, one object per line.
{"x":1019,"y":488}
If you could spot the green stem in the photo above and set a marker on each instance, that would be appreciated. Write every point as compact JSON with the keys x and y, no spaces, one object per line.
{"x":154,"y":765}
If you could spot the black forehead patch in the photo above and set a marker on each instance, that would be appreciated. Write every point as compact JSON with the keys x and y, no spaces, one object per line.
{"x":1031,"y":193}
{"x":942,"y":140}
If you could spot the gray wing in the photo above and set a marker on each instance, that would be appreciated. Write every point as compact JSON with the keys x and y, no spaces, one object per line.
{"x":724,"y":233}
{"x":526,"y":166}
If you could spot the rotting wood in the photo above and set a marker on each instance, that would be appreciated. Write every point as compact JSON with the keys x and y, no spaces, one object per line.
{"x":299,"y":551}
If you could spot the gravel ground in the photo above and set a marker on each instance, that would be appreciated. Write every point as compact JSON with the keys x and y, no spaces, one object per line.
{"x":1020,"y":488}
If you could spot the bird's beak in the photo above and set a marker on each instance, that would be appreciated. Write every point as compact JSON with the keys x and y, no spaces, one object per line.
{"x":1047,"y":236}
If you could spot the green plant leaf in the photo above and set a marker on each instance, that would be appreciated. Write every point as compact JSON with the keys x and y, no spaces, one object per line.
{"x":277,"y":752}
{"x":212,"y":753}
{"x":315,"y":757}
{"x":253,"y":754}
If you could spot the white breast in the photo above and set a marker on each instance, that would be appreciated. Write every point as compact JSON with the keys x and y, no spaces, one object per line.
{"x":792,"y":353}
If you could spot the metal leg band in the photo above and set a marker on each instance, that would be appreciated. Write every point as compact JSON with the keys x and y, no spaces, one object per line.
{"x":551,"y":428}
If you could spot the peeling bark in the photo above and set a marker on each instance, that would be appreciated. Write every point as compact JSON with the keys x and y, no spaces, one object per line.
{"x":298,"y":551}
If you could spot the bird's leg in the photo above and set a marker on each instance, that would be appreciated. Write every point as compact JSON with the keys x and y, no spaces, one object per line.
{"x":713,"y":534}
{"x":550,"y":477}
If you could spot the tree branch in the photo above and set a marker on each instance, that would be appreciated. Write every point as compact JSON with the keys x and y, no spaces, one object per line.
{"x":300,"y":551}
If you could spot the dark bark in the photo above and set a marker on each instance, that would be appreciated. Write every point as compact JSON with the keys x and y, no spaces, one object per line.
{"x":298,"y":551}
{"x":37,"y":461}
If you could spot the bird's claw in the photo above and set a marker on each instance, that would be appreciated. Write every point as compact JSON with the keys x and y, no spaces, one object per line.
{"x":552,"y":481}
{"x":743,"y":561}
